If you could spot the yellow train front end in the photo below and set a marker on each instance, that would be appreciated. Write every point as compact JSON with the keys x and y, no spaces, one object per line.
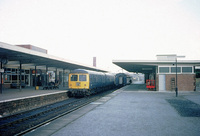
{"x":78,"y":84}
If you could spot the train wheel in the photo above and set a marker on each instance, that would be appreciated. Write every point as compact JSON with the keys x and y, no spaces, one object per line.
{"x":87,"y":93}
{"x":69,"y":94}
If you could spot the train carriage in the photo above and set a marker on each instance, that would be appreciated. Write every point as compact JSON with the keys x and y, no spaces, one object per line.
{"x":85,"y":82}
{"x":122,"y":79}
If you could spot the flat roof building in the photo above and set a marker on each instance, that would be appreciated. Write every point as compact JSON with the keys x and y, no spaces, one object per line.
{"x":163,"y":71}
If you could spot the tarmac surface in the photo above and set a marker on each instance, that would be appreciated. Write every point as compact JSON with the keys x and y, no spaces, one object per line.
{"x":131,"y":113}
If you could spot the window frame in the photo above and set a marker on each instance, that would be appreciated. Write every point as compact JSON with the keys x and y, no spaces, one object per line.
{"x":183,"y":71}
{"x":164,"y":71}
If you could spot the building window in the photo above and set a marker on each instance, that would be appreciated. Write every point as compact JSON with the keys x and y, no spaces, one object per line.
{"x":180,"y":69}
{"x":13,"y":71}
{"x":186,"y":69}
{"x":8,"y":70}
{"x":14,"y":78}
{"x":27,"y":71}
{"x":163,"y":69}
{"x":7,"y":78}
{"x":173,"y":69}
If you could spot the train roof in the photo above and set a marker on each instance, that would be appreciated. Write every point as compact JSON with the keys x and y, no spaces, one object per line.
{"x":85,"y":71}
{"x":122,"y":74}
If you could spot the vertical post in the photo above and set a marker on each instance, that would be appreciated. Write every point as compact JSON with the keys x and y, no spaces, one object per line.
{"x":20,"y":76}
{"x":176,"y":80}
{"x":1,"y":86}
{"x":46,"y":75}
{"x":175,"y":56}
{"x":156,"y":68}
{"x":56,"y":76}
{"x":35,"y":77}
{"x":63,"y":78}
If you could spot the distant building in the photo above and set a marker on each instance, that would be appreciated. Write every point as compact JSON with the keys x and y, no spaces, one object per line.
{"x":34,"y":48}
{"x":94,"y":62}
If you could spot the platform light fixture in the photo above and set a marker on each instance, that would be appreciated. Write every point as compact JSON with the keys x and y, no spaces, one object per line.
{"x":175,"y":57}
{"x":176,"y":74}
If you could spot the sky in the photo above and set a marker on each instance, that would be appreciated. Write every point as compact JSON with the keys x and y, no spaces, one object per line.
{"x":79,"y":30}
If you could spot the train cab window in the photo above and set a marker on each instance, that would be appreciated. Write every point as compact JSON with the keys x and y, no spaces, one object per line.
{"x":74,"y":77}
{"x":82,"y":78}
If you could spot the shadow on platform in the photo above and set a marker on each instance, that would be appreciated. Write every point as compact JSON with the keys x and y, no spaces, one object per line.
{"x":136,"y":87}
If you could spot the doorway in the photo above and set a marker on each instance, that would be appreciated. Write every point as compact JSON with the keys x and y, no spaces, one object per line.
{"x":162,"y":86}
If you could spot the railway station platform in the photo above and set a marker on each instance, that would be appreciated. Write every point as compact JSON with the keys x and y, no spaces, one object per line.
{"x":10,"y":94}
{"x":14,"y":101}
{"x":131,"y":113}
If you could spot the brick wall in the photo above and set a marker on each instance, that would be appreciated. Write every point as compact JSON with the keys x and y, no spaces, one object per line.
{"x":186,"y":82}
{"x":157,"y":83}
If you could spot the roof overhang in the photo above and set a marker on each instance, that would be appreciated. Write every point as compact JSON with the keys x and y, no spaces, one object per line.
{"x":148,"y":66}
{"x":33,"y":58}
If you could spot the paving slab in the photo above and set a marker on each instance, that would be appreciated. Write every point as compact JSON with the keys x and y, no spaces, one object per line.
{"x":127,"y":113}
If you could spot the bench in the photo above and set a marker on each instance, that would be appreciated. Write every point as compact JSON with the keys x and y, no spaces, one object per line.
{"x":17,"y":85}
{"x":51,"y":85}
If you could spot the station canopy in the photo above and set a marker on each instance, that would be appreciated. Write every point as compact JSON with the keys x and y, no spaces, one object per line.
{"x":15,"y":55}
{"x":136,"y":66}
{"x":149,"y":66}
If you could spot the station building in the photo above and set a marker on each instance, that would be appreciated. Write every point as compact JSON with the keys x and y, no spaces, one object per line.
{"x":31,"y":66}
{"x":163,"y":72}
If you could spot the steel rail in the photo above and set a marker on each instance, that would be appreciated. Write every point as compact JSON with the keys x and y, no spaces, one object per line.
{"x":45,"y":115}
{"x":54,"y":118}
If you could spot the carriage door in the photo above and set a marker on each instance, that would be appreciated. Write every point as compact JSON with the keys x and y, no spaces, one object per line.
{"x":162,"y":86}
{"x":120,"y":80}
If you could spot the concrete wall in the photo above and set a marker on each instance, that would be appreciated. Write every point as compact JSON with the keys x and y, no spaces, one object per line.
{"x":19,"y":105}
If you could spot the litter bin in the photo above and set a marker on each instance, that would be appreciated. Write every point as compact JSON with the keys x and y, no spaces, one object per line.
{"x":37,"y":88}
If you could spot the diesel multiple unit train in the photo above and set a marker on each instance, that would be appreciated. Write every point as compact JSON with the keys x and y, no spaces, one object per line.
{"x":86,"y":82}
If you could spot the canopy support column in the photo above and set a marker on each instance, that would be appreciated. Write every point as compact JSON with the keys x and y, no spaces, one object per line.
{"x":20,"y":76}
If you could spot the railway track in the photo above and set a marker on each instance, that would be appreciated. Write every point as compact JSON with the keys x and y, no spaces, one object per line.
{"x":24,"y":122}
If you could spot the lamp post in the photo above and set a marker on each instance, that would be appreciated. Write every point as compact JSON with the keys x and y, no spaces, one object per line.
{"x":176,"y":74}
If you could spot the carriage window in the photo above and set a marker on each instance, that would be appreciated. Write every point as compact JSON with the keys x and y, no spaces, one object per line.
{"x":82,"y":77}
{"x":74,"y":77}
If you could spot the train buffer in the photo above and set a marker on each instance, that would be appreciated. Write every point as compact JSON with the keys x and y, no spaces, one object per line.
{"x":150,"y":84}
